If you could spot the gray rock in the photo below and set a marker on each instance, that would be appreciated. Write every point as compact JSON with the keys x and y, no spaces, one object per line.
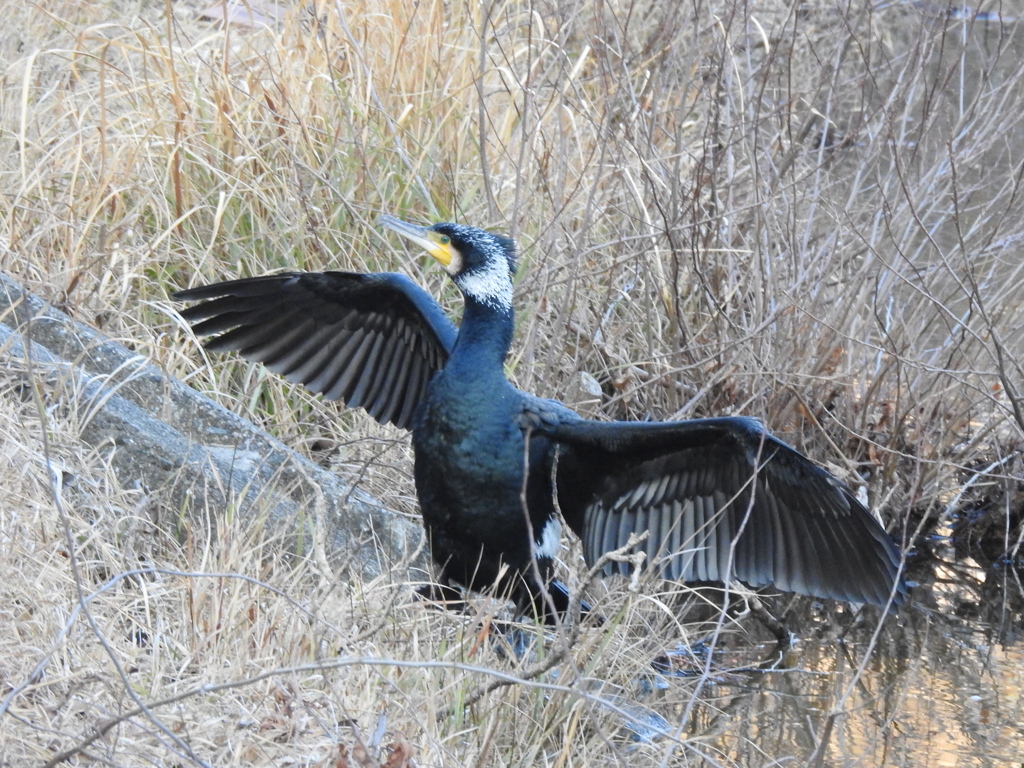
{"x":185,"y":450}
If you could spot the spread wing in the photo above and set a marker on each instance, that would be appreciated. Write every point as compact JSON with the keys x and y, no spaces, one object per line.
{"x":371,"y":340}
{"x":721,"y":500}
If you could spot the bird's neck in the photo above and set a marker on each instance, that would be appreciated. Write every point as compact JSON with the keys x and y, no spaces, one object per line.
{"x":484,"y":338}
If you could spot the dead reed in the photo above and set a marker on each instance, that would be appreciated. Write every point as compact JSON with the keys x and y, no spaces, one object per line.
{"x":809,"y":213}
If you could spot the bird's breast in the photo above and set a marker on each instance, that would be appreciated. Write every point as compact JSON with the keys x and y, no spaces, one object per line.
{"x":469,"y":448}
{"x":460,"y":440}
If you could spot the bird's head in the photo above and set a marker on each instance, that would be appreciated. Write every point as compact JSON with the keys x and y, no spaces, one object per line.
{"x":480,"y":262}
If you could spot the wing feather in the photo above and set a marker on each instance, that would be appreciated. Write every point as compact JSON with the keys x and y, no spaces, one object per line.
{"x":684,"y":540}
{"x":333,"y":380}
{"x":372,"y":340}
{"x":367,"y":370}
{"x":381,"y":389}
{"x":721,"y":500}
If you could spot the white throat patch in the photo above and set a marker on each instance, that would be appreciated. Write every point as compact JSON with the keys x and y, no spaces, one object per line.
{"x":490,"y":285}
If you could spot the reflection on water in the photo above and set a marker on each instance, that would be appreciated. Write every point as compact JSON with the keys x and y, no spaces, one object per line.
{"x":936,"y":690}
{"x":956,"y":701}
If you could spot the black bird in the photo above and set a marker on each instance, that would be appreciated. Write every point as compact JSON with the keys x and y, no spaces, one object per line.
{"x":721,"y":499}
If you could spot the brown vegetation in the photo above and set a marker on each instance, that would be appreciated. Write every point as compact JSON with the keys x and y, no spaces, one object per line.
{"x":792,"y":211}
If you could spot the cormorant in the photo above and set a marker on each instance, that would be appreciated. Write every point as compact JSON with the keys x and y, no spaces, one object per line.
{"x":720,"y":497}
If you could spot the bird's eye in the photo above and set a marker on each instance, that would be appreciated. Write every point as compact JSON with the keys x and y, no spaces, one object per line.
{"x":444,"y":240}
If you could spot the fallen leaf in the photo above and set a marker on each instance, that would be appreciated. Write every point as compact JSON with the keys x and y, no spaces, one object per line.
{"x":401,"y":754}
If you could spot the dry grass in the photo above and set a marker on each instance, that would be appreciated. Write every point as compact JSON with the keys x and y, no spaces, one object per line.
{"x":806,"y":213}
